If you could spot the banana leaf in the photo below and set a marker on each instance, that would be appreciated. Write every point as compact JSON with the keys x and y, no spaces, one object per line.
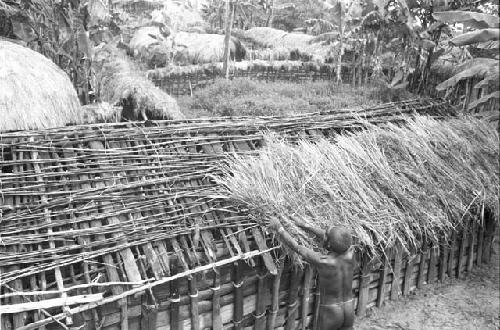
{"x":478,"y":70}
{"x":484,"y":99}
{"x":476,"y":37}
{"x":472,"y":19}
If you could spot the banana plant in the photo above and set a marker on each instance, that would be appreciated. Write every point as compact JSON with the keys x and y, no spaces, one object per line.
{"x":481,"y":28}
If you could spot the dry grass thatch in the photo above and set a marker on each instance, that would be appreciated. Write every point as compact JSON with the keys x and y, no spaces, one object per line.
{"x":179,"y":16}
{"x":34,"y":92}
{"x":195,"y":48}
{"x":185,"y":48}
{"x":390,"y":185}
{"x":149,"y":46}
{"x":123,"y":83}
{"x":100,"y":113}
{"x":301,"y":43}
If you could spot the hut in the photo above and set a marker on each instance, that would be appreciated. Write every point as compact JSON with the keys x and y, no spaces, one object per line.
{"x":183,"y":48}
{"x":122,"y":83}
{"x":34,"y":92}
{"x":298,"y":45}
{"x":122,"y":226}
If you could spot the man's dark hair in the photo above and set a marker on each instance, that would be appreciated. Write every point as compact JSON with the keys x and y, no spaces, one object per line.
{"x":338,"y":239}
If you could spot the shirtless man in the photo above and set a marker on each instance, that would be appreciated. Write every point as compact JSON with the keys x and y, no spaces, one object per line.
{"x":335,"y":271}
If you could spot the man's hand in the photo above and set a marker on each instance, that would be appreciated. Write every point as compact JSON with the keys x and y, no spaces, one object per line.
{"x":274,"y":223}
{"x":304,"y":226}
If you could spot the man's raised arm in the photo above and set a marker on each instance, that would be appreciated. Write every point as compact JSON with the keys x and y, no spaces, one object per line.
{"x":308,"y":254}
{"x":316,"y":231}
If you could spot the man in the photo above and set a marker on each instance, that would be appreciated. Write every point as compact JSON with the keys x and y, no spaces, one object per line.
{"x":335,"y":271}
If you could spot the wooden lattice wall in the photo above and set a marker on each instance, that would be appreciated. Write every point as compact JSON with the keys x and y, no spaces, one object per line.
{"x":118,"y":226}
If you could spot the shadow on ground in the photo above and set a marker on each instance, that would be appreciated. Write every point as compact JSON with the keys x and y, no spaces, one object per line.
{"x":470,"y":303}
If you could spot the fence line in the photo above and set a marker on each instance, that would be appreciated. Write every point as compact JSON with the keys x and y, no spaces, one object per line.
{"x":178,"y":81}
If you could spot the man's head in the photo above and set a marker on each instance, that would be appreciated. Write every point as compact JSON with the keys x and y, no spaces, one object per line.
{"x":338,"y":239}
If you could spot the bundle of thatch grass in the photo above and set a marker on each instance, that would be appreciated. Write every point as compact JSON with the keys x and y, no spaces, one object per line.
{"x":150,"y":46}
{"x":102,"y":112}
{"x":123,"y":83}
{"x":184,"y":48}
{"x":300,"y":44}
{"x":34,"y":92}
{"x":195,"y":48}
{"x":390,"y":185}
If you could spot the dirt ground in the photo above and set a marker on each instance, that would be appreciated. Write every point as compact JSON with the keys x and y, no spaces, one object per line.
{"x":470,"y":303}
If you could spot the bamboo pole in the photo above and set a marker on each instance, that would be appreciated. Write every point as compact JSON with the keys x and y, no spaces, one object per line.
{"x":292,"y":308}
{"x":473,"y":238}
{"x":384,"y":272}
{"x":51,"y":303}
{"x":306,"y":295}
{"x":432,"y":265}
{"x":216,"y":315}
{"x":260,"y":308}
{"x":364,"y":283}
{"x":271,"y":319}
{"x":395,"y":288}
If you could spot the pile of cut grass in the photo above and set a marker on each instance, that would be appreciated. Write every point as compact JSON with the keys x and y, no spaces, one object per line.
{"x":390,"y":185}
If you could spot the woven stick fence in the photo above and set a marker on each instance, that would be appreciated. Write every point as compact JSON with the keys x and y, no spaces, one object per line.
{"x":183,"y":80}
{"x":114,"y":225}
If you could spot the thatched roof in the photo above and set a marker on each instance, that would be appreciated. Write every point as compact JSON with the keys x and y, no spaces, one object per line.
{"x":34,"y":92}
{"x":390,"y":185}
{"x":148,"y":45}
{"x":186,"y":48}
{"x":304,"y":44}
{"x":131,"y":203}
{"x":123,"y":83}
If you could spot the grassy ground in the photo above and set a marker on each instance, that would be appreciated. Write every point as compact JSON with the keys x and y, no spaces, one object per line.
{"x":254,"y":98}
{"x":471,"y":303}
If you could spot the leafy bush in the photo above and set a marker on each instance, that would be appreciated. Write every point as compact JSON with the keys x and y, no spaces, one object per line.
{"x":245,"y":97}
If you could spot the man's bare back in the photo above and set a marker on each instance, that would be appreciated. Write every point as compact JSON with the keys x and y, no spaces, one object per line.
{"x":335,"y":285}
{"x":335,"y":271}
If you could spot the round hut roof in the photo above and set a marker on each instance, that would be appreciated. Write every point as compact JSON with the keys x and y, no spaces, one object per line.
{"x":34,"y":92}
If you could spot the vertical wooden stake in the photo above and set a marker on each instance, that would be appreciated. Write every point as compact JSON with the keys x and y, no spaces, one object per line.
{"x":306,"y":296}
{"x":443,"y":263}
{"x":384,"y":271}
{"x":461,"y":251}
{"x":260,"y":306}
{"x":216,"y":315}
{"x":451,"y":256}
{"x":364,"y":286}
{"x":193,"y":294}
{"x":432,"y":265}
{"x":238,"y":295}
{"x":175,"y":319}
{"x":317,"y":304}
{"x":480,"y":245}
{"x":271,"y":320}
{"x":473,"y":237}
{"x":293,"y":299}
{"x":398,"y":261}
{"x":407,"y":275}
{"x":421,"y":268}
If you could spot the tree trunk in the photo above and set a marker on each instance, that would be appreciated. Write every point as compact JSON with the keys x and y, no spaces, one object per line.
{"x":227,"y":38}
{"x":271,"y":15}
{"x":341,"y":50}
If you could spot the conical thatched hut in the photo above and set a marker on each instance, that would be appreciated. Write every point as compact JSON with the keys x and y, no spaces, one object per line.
{"x":34,"y":92}
{"x":121,"y":82}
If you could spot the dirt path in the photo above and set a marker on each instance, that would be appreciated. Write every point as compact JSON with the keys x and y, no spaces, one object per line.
{"x":471,"y":303}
